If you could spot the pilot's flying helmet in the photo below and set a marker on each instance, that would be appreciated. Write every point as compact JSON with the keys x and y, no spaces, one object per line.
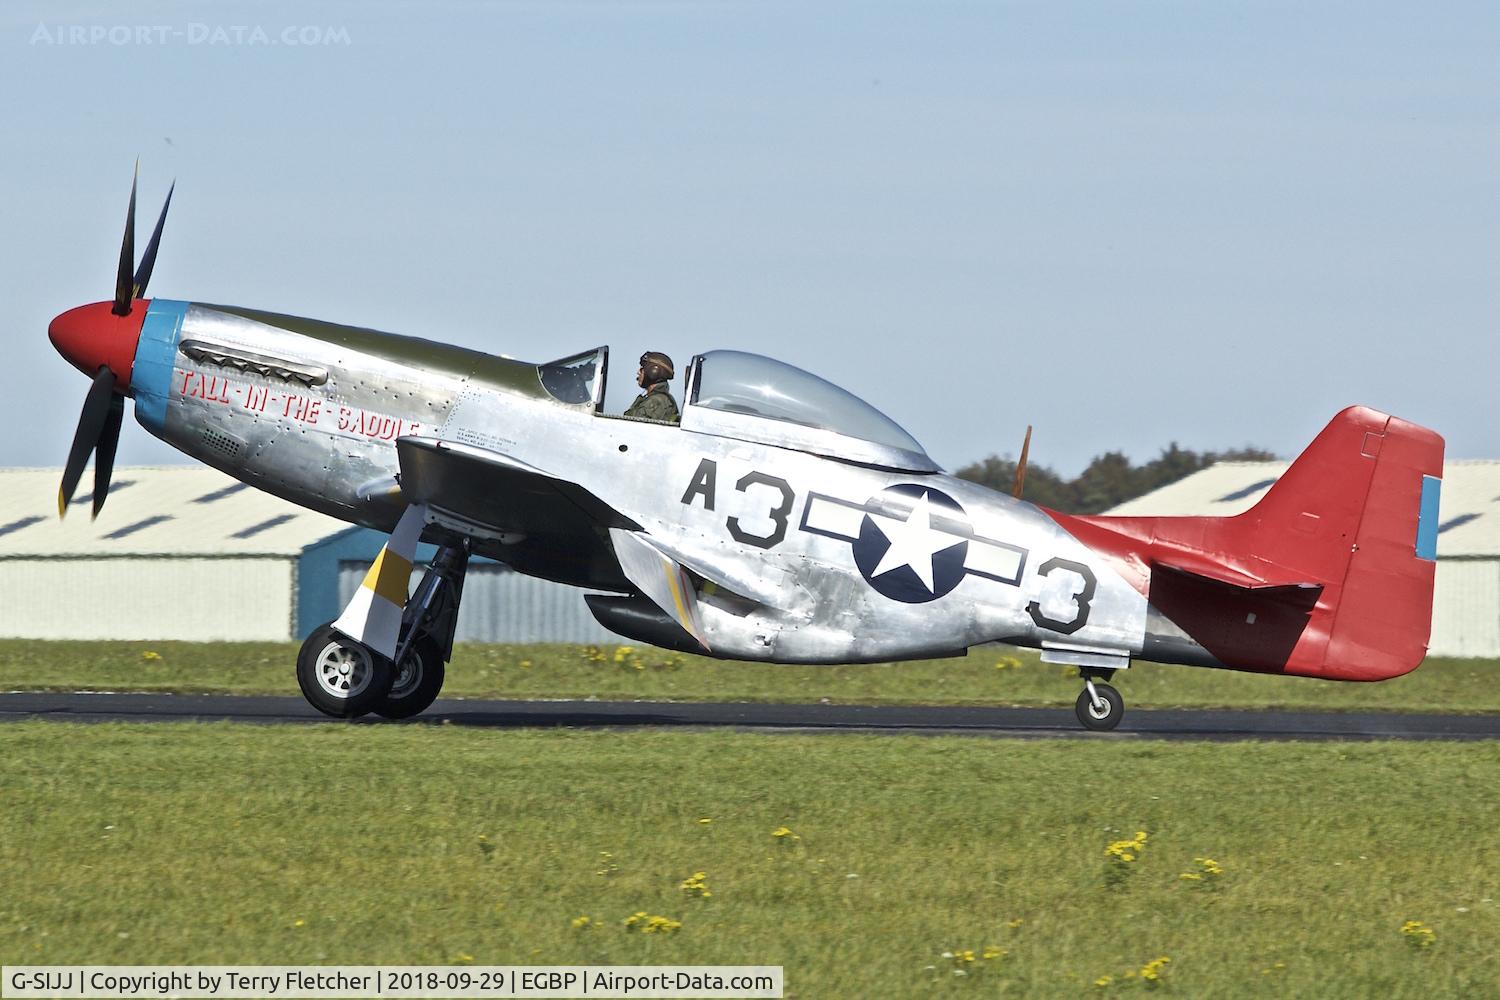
{"x":657,"y":366}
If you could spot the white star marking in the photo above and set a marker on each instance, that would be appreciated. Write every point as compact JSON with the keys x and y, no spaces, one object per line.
{"x":913,"y":542}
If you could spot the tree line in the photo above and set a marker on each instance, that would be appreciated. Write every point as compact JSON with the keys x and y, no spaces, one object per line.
{"x":1109,"y":480}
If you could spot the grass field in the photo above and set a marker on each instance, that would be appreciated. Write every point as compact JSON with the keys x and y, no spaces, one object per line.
{"x":992,"y":676}
{"x":124,"y":844}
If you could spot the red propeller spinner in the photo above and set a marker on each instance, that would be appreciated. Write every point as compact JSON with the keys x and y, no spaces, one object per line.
{"x":92,"y":337}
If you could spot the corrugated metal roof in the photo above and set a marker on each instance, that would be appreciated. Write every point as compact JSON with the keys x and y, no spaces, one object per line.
{"x":1470,"y":510}
{"x":171,"y":511}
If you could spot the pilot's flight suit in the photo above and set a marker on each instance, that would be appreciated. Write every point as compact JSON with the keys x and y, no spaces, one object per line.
{"x":655,"y":403}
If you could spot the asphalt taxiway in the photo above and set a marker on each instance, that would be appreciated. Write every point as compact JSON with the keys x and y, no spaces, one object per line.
{"x":976,"y":721}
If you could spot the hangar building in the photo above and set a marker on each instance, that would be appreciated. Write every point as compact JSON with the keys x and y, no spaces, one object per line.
{"x":190,"y":553}
{"x":1466,"y":598}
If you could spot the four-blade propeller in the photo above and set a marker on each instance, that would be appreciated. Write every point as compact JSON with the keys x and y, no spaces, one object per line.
{"x":98,"y":431}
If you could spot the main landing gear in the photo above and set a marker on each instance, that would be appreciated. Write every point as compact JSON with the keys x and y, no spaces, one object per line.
{"x":1100,"y":706}
{"x":344,"y":678}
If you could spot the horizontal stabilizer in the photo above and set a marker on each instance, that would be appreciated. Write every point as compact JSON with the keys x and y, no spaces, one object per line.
{"x":1255,"y":577}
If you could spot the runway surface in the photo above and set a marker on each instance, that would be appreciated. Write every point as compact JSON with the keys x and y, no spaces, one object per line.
{"x":1001,"y":722}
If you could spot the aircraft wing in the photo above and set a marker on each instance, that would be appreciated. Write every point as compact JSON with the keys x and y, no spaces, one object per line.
{"x":524,"y":516}
{"x":557,"y":529}
{"x":498,"y":492}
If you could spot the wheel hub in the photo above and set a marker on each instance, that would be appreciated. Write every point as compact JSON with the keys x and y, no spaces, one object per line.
{"x":408,"y":676}
{"x":343,"y":669}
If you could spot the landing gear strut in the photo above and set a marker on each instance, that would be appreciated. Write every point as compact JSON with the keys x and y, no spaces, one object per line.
{"x":345,"y":678}
{"x":427,"y":627}
{"x":1100,"y":706}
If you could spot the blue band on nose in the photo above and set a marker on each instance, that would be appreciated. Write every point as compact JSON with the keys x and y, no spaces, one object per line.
{"x":151,"y":377}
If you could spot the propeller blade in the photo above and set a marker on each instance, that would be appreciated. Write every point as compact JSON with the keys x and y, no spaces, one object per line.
{"x":148,"y":260}
{"x":104,"y":455}
{"x":1021,"y":465}
{"x":91,"y":424}
{"x":123,"y":282}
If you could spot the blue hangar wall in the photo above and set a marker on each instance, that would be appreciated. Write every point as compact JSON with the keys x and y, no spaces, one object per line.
{"x":499,"y":605}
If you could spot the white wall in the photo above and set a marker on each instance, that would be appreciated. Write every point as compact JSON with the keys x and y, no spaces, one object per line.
{"x":1466,"y":608}
{"x":147,"y":598}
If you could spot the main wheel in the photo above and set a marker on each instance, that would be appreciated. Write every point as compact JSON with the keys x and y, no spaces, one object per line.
{"x":341,"y":677}
{"x":1096,"y":717}
{"x":418,"y":680}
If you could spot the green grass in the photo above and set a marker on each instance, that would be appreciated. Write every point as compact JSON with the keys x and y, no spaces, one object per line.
{"x":643,"y":673}
{"x":124,"y":844}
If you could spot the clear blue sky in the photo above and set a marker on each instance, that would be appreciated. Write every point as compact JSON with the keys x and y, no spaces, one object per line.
{"x":1125,"y":223}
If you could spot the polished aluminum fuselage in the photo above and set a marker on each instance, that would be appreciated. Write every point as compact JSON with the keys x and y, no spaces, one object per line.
{"x":789,"y":539}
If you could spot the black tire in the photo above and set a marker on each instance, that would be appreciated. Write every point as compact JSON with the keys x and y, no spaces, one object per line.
{"x":416,"y":682}
{"x":341,"y":677}
{"x":1114,"y":708}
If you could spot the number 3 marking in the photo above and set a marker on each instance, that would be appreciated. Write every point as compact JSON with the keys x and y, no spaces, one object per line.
{"x":1081,"y":598}
{"x":778,"y":515}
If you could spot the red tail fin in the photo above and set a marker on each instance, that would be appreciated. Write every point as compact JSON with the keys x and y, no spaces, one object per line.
{"x":1352,"y":521}
{"x":1359,"y":508}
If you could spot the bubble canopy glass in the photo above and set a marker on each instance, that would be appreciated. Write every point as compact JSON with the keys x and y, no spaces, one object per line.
{"x":756,"y":398}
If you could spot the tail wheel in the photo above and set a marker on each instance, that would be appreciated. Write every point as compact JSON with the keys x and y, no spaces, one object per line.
{"x":418,"y":679}
{"x":1103,"y":714}
{"x":339,"y":676}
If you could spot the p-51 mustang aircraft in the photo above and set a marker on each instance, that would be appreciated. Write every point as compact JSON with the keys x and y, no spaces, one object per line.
{"x":783,"y":519}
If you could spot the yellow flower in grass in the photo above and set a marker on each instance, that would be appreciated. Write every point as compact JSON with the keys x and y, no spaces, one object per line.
{"x":1207,"y":875}
{"x":150,"y":654}
{"x":784,"y":834}
{"x":584,"y":922}
{"x":965,"y":958}
{"x":696,"y":884}
{"x":1127,"y":850}
{"x":1152,"y":970}
{"x":646,"y":923}
{"x":1418,"y":934}
{"x":1119,"y":856}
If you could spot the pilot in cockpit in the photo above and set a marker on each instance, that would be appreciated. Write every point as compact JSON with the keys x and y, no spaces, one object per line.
{"x":655,"y":401}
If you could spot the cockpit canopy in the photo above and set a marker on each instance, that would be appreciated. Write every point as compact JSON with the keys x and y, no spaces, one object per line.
{"x":756,"y":398}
